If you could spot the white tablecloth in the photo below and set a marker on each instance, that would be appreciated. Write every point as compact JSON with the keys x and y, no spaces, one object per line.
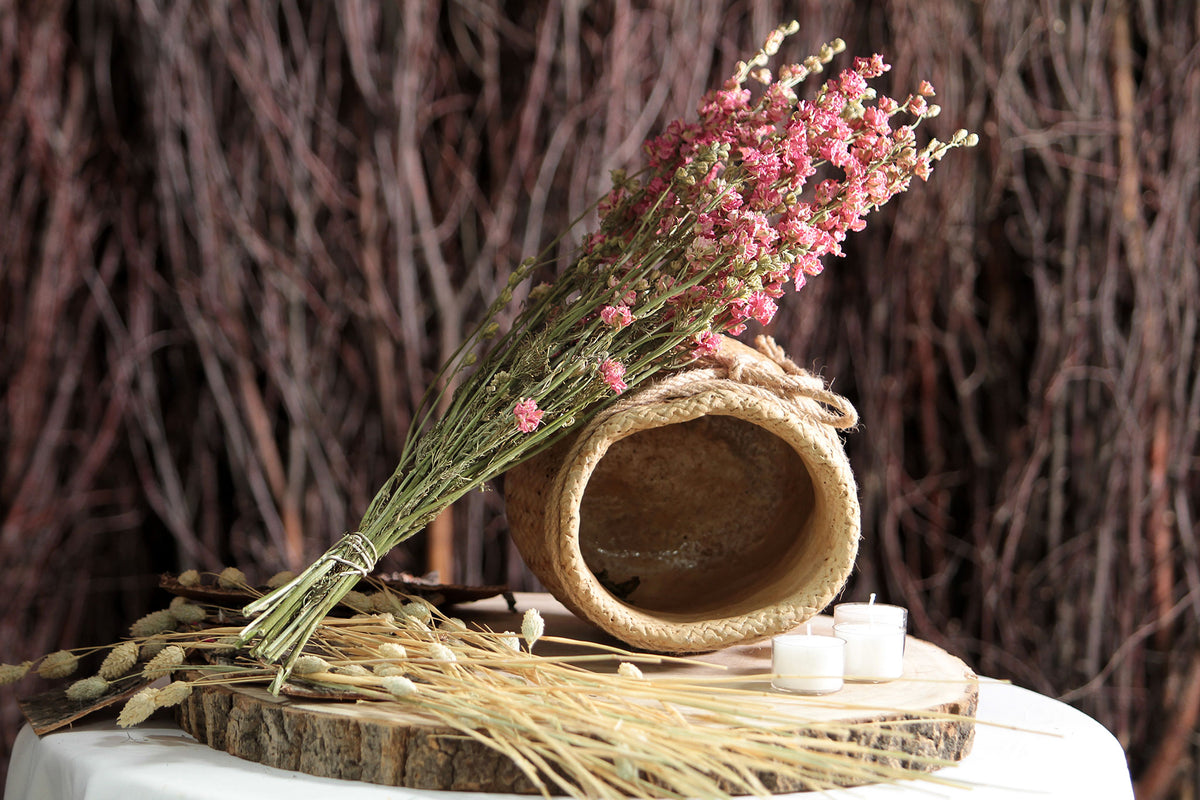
{"x":1026,"y":746}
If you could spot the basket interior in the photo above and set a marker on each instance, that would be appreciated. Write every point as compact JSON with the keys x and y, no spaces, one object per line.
{"x":713,"y":515}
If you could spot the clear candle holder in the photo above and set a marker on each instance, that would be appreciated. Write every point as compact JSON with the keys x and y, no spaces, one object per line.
{"x":874,"y":634}
{"x":807,"y":664}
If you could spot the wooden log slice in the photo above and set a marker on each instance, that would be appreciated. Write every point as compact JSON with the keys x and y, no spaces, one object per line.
{"x":381,"y":744}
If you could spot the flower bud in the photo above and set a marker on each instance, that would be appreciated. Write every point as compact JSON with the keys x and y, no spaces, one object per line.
{"x":628,"y":670}
{"x":232,"y":578}
{"x":170,"y":657}
{"x":87,"y":689}
{"x":439,"y":652}
{"x":172,"y":694}
{"x":138,"y":707}
{"x":307,"y":665}
{"x":532,"y":626}
{"x":58,"y":665}
{"x":119,"y":660}
{"x":388,"y":670}
{"x":393,"y":650}
{"x":11,"y":673}
{"x":281,"y":578}
{"x":153,"y":623}
{"x":398,"y":686}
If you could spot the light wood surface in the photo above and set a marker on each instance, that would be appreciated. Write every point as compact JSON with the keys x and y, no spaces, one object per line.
{"x":376,"y":743}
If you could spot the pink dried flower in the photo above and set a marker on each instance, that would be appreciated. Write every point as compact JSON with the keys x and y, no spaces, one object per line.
{"x":613,"y":372}
{"x":762,"y":307}
{"x":528,"y":415}
{"x":707,"y":344}
{"x":925,"y":89}
{"x":616,"y":316}
{"x":852,"y":84}
{"x":871,"y":67}
{"x":922,"y":168}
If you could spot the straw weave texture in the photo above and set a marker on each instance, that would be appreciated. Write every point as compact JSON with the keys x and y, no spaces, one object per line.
{"x":761,"y":387}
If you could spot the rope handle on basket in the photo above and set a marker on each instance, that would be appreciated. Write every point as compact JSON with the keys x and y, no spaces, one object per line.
{"x":835,"y":410}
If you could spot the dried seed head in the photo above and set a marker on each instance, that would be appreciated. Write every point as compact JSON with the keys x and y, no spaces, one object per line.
{"x":170,"y":657}
{"x":510,"y":641}
{"x":385,"y":603}
{"x":226,"y":645}
{"x":393,"y":650}
{"x":138,"y":707}
{"x":399,"y":686}
{"x":172,"y":694}
{"x":232,"y":578}
{"x":352,"y":669}
{"x":11,"y":673}
{"x":532,"y":626}
{"x":281,"y":578}
{"x":418,"y":610}
{"x":87,"y":689}
{"x":185,"y":612}
{"x":453,"y":624}
{"x":119,"y":660}
{"x":189,"y":577}
{"x":357,"y":601}
{"x":628,"y":670}
{"x":153,"y":623}
{"x":307,"y":665}
{"x":439,"y":652}
{"x":151,"y":648}
{"x":58,"y":665}
{"x":386,"y":670}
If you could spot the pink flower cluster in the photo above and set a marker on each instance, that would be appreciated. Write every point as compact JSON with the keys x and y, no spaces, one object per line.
{"x":734,"y":180}
{"x":613,"y":373}
{"x":528,"y":415}
{"x":732,"y":207}
{"x":617,"y":316}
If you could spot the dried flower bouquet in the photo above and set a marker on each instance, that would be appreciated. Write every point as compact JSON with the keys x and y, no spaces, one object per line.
{"x":729,"y":209}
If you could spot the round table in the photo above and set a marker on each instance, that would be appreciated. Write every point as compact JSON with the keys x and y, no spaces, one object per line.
{"x":1026,"y":744}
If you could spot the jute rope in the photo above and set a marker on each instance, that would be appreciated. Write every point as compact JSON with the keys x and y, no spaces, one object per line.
{"x":790,"y":383}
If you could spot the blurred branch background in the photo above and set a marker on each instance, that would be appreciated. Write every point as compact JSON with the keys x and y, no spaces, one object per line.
{"x":236,"y":239}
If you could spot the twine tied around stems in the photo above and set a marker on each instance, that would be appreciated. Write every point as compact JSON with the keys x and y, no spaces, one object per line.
{"x":358,"y":545}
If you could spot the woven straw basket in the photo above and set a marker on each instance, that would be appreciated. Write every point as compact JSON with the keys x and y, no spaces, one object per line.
{"x":712,"y":508}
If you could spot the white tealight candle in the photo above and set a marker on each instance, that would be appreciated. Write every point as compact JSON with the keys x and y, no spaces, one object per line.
{"x":874,"y":634}
{"x":807,"y":664}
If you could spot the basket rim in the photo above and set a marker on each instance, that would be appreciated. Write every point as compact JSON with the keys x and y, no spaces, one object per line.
{"x":821,"y":452}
